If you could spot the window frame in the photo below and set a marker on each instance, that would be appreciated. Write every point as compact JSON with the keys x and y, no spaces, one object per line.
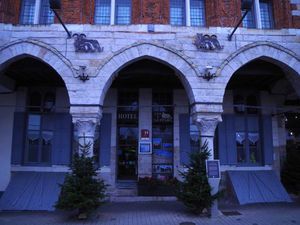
{"x":189,"y":15}
{"x":98,"y":4}
{"x":36,"y":15}
{"x":244,"y":115}
{"x":257,"y":17}
{"x":184,"y":11}
{"x":41,"y":112}
{"x":116,"y":14}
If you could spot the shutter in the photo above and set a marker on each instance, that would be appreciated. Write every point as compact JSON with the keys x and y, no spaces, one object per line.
{"x":62,"y":142}
{"x":226,"y":140}
{"x":230,"y":138}
{"x":105,"y":139}
{"x":267,"y":139}
{"x":222,"y":148}
{"x":18,"y":140}
{"x":184,"y":138}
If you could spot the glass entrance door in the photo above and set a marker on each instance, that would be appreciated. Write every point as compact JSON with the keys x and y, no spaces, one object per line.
{"x":127,"y":139}
{"x":127,"y":152}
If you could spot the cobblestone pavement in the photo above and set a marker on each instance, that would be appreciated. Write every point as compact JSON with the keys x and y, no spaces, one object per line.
{"x":162,"y":213}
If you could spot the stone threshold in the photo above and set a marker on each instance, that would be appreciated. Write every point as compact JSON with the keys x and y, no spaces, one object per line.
{"x":142,"y":198}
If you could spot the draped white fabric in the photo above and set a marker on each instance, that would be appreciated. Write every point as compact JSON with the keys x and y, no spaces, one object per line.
{"x":253,"y":137}
{"x":47,"y":136}
{"x":240,"y":137}
{"x":32,"y":135}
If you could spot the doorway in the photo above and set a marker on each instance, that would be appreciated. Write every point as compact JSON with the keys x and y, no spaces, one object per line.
{"x":127,"y":138}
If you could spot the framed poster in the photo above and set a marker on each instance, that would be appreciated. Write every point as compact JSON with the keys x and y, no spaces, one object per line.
{"x":145,"y":148}
{"x":213,"y":168}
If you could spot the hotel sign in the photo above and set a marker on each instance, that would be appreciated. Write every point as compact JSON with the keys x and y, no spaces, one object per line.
{"x":162,"y":117}
{"x":127,"y":117}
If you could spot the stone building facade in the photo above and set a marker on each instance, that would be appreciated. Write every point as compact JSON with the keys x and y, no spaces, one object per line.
{"x":146,"y":86}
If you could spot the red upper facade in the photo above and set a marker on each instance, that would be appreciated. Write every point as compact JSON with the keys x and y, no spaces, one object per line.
{"x":217,"y":13}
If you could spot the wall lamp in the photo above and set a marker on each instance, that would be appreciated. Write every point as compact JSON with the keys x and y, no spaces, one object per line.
{"x":246,"y":6}
{"x":207,"y":74}
{"x":82,"y":74}
{"x":55,"y":5}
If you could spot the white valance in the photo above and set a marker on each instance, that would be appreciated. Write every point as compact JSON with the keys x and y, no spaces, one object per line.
{"x":240,"y":137}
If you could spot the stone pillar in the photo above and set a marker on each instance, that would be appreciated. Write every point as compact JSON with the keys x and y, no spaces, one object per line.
{"x":85,"y":120}
{"x":207,"y":123}
{"x":145,"y":122}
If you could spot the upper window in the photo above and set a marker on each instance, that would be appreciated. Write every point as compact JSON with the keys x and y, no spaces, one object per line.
{"x":197,"y":13}
{"x":187,"y":12}
{"x":260,"y":16}
{"x":123,"y":12}
{"x":249,"y":20}
{"x":36,"y":12}
{"x":266,"y":14}
{"x":102,"y":11}
{"x":177,"y":12}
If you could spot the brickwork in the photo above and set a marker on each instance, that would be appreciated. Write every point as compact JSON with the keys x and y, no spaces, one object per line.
{"x":219,"y":13}
{"x":224,"y":13}
{"x":282,"y":14}
{"x":77,"y":11}
{"x":150,"y":11}
{"x":9,"y":11}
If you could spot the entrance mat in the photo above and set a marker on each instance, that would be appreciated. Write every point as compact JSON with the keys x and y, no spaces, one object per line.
{"x":231,"y":213}
{"x":257,"y":187}
{"x":32,"y":191}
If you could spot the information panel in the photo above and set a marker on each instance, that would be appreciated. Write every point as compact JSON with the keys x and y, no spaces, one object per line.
{"x":213,"y":168}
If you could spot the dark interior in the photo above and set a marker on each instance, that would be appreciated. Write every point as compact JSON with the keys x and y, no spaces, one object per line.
{"x":32,"y":72}
{"x":147,"y":73}
{"x":257,"y":74}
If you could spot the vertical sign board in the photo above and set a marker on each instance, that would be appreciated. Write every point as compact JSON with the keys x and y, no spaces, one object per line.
{"x":145,"y":134}
{"x":213,"y":168}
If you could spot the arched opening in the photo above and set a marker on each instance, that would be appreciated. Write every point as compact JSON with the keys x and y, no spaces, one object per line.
{"x":186,"y":70}
{"x":252,"y":136}
{"x":146,"y":110}
{"x":35,"y":124}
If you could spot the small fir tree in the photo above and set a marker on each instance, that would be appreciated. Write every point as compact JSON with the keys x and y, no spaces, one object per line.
{"x":81,"y":191}
{"x":194,"y":191}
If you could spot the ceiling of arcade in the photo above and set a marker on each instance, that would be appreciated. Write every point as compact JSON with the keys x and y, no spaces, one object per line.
{"x":32,"y":72}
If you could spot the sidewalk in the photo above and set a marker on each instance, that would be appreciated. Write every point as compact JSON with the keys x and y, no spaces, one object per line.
{"x":162,"y":213}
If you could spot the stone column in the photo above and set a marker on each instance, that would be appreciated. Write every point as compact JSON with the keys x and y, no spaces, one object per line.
{"x":207,"y":123}
{"x":85,"y":120}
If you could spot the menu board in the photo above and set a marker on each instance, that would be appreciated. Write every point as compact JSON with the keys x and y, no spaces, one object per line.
{"x":213,"y":168}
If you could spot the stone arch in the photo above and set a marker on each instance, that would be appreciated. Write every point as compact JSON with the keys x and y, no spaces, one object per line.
{"x":275,"y":53}
{"x":185,"y":69}
{"x":41,"y":51}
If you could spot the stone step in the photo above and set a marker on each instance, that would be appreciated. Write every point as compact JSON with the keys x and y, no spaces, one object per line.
{"x":141,"y":198}
{"x":126,"y":192}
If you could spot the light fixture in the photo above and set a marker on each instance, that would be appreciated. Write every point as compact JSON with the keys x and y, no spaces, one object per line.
{"x":207,"y":74}
{"x":82,"y":74}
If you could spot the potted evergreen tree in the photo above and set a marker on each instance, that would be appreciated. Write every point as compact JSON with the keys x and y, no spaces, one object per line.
{"x":81,"y":190}
{"x":194,"y":191}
